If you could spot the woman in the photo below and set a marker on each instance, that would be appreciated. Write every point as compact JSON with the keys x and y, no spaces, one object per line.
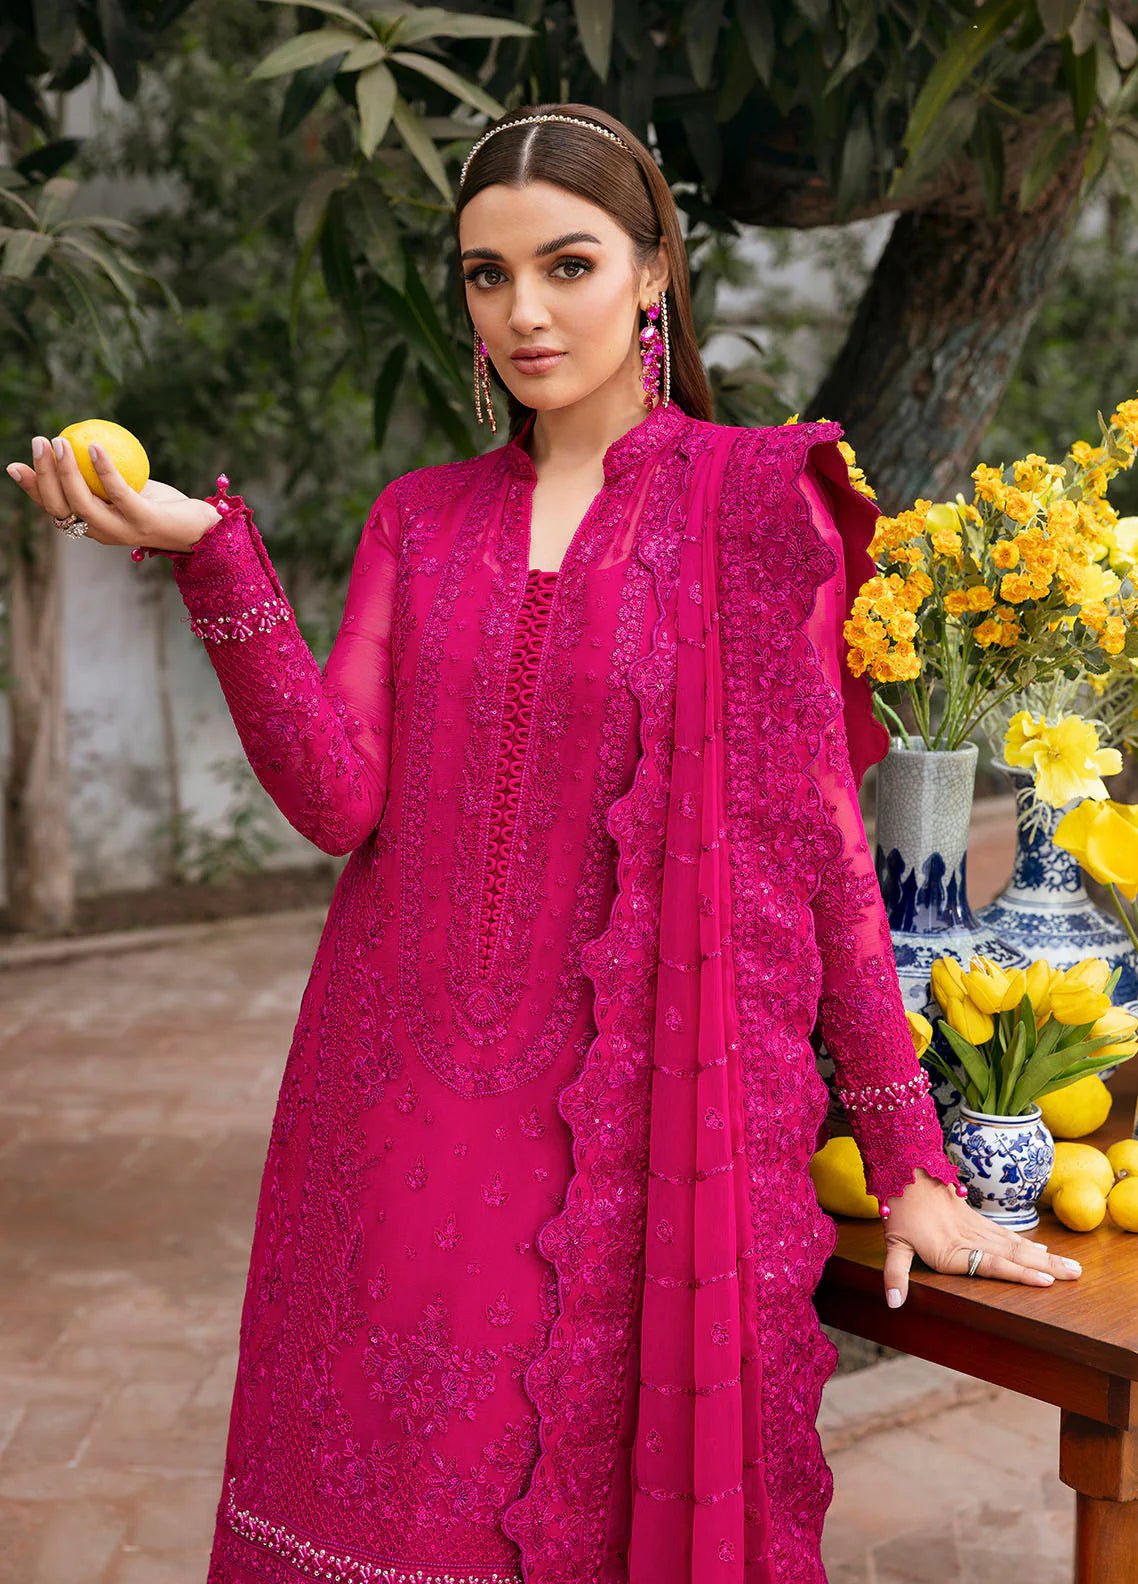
{"x":530,"y":1293}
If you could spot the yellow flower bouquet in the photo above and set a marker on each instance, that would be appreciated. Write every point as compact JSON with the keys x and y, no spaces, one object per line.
{"x":976,"y":600}
{"x":1019,"y":1034}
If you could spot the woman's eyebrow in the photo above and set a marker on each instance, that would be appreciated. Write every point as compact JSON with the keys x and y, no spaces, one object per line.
{"x":538,"y":252}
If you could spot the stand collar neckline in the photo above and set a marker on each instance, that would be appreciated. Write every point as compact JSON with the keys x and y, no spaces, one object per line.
{"x":654,"y":430}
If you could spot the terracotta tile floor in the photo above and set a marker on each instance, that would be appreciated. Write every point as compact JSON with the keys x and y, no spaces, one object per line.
{"x":136,"y":1110}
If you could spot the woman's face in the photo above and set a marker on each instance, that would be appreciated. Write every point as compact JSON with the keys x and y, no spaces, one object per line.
{"x":582,"y":297}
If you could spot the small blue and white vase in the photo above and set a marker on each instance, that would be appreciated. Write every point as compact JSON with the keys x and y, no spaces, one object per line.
{"x":1004,"y":1162}
{"x":1045,"y":910}
{"x":924,"y":817}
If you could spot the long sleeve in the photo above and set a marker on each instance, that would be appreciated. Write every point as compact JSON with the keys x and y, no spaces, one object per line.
{"x":881,"y":1084}
{"x":318,"y":741}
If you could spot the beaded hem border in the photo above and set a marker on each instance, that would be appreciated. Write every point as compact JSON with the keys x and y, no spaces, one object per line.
{"x":341,"y":1567}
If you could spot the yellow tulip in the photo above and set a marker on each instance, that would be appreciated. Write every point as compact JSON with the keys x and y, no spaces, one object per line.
{"x":1038,"y":980}
{"x":1103,"y":836}
{"x":1077,"y":997}
{"x":991,"y":987}
{"x":921,"y":1030}
{"x":947,"y":978}
{"x":963,"y":1015}
{"x":1122,"y":1025}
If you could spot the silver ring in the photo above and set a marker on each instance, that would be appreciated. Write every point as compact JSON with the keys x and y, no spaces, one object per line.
{"x":74,"y":525}
{"x":974,"y":1258}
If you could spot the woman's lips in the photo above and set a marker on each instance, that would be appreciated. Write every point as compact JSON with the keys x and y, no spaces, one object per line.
{"x":537,"y":365}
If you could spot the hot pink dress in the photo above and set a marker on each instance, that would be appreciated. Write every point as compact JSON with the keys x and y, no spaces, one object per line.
{"x":439,"y":1377}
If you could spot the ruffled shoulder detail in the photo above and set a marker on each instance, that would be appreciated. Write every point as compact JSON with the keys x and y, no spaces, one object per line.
{"x":812,"y":448}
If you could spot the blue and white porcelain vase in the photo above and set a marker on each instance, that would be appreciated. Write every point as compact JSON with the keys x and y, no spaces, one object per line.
{"x":1045,"y":910}
{"x":1004,"y":1162}
{"x":924,"y":816}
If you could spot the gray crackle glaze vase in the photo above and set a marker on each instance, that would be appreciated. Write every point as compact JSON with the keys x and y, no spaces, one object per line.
{"x":1044,"y":909}
{"x":924,"y":814}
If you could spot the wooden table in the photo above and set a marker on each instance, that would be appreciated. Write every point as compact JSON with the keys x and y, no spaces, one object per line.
{"x":1074,"y":1344}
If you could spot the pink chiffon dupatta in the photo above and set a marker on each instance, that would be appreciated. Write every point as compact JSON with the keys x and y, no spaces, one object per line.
{"x":699,"y":1504}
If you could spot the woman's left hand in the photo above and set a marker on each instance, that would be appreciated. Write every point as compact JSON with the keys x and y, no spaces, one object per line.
{"x":932,"y":1221}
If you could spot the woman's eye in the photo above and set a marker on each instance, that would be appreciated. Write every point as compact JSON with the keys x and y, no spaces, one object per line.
{"x":578,"y":266}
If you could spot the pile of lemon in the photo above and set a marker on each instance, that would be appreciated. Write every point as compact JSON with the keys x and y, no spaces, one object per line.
{"x":1085,"y":1186}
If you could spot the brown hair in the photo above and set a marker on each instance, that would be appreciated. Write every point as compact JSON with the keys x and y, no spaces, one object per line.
{"x":628,"y":185}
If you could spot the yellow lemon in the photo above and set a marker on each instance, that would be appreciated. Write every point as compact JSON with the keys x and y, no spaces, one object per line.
{"x":1122,"y":1204}
{"x":1082,"y":1160}
{"x":119,"y":446}
{"x":839,"y":1178}
{"x":1079,"y":1203}
{"x":1123,"y":1157}
{"x":1077,"y":1109}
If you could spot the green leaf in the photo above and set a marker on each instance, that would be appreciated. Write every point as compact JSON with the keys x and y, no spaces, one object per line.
{"x":974,"y":1064}
{"x":451,"y":81}
{"x":861,"y":41}
{"x":1049,"y":153}
{"x":375,"y":100}
{"x":307,"y":49}
{"x":424,"y":313}
{"x":431,"y":22}
{"x":1092,"y":168}
{"x":593,"y":19}
{"x":420,"y":146}
{"x":1084,"y":29}
{"x":369,"y":53}
{"x":442,"y":413}
{"x":310,"y":211}
{"x":114,"y":269}
{"x":1108,"y":78}
{"x":23,"y":252}
{"x":56,"y":198}
{"x":955,"y":65}
{"x":1125,"y":44}
{"x":387,"y":388}
{"x":1057,"y":15}
{"x":83,"y":305}
{"x":988,"y":150}
{"x":339,"y":271}
{"x":855,"y":172}
{"x":330,"y":8}
{"x":703,"y":24}
{"x":373,"y":225}
{"x":757,"y":28}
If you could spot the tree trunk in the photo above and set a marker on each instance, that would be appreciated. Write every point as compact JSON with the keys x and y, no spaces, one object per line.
{"x":936,"y":338}
{"x":37,"y":794}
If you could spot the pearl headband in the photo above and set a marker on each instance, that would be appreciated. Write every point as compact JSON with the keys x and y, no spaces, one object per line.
{"x":530,"y":121}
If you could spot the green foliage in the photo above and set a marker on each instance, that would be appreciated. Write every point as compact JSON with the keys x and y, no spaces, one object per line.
{"x":212,"y":855}
{"x":1074,"y":361}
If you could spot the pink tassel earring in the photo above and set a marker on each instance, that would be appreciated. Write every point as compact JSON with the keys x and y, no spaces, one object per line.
{"x":655,"y":351}
{"x":482,"y":392}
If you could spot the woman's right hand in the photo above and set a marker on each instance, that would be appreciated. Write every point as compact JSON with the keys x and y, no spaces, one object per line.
{"x":157,"y":515}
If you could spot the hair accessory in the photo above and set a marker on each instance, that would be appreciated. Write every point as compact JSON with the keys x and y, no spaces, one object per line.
{"x":532,"y":121}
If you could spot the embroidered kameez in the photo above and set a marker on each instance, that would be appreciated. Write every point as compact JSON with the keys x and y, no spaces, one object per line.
{"x":530,"y":1291}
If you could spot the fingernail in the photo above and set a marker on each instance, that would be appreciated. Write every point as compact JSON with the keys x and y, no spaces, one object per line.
{"x":893,"y":1297}
{"x":1045,"y":1277}
{"x":37,"y":448}
{"x":12,"y":474}
{"x":57,"y":447}
{"x":1073,"y":1265}
{"x":95,"y":453}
